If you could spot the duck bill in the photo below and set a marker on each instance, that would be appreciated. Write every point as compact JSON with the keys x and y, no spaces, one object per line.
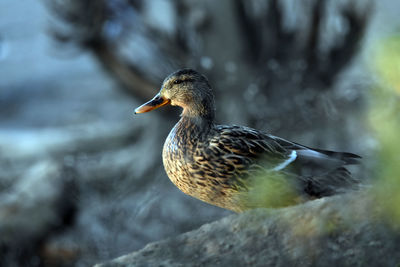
{"x":156,"y":102}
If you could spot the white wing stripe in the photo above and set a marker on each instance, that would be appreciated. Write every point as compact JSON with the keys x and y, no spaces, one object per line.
{"x":282,"y":165}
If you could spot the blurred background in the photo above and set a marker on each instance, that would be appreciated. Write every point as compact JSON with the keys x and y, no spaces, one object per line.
{"x":81,"y":177}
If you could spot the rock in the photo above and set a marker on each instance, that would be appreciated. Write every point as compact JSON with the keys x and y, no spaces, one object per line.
{"x":344,"y":230}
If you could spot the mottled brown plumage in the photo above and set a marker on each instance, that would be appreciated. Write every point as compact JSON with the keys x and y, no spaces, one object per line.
{"x":236,"y":167}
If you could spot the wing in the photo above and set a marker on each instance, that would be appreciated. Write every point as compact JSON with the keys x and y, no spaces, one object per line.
{"x":249,"y":148}
{"x":235,"y":153}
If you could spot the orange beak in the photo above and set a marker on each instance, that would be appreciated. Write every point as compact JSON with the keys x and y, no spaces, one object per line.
{"x":156,"y":102}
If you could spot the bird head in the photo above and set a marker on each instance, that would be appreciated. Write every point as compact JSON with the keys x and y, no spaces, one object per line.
{"x":187,"y":89}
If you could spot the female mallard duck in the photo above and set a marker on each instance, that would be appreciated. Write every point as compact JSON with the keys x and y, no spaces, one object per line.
{"x":236,"y":167}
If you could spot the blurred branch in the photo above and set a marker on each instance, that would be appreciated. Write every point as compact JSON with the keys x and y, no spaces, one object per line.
{"x":267,"y":38}
{"x":343,"y":53}
{"x":315,"y":25}
{"x":265,"y":35}
{"x":325,"y":68}
{"x":281,"y":37}
{"x":86,"y":20}
{"x":133,"y":82}
{"x":248,"y":27}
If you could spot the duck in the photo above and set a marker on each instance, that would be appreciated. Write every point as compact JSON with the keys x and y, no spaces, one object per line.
{"x":237,"y":167}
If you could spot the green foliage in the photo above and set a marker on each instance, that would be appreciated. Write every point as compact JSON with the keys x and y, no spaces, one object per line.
{"x":271,"y":190}
{"x":387,"y":62}
{"x":384,"y":118}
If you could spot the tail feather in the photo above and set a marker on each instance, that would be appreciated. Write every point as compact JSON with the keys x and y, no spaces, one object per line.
{"x":335,"y":182}
{"x":346,"y":157}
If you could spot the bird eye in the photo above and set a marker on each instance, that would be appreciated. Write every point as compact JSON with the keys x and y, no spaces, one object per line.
{"x":178,"y":81}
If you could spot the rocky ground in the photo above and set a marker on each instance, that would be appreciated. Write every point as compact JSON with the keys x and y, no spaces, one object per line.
{"x":336,"y":231}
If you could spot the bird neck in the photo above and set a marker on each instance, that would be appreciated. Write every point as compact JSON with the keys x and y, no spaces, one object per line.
{"x":200,"y":110}
{"x":194,"y":128}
